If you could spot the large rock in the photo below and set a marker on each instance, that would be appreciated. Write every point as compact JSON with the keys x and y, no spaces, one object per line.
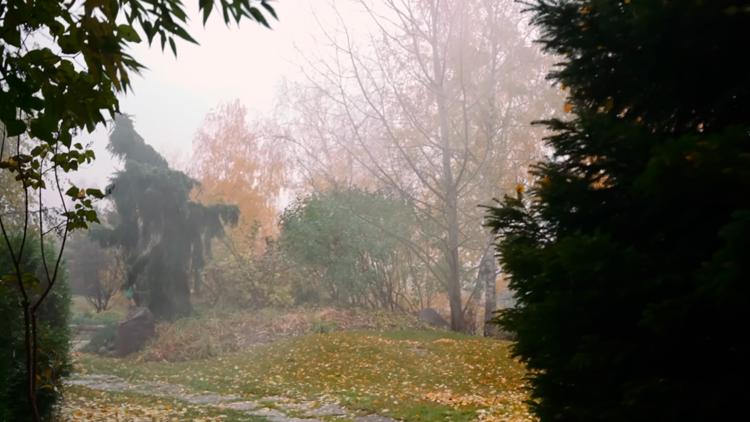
{"x":134,"y":331}
{"x":433,"y":318}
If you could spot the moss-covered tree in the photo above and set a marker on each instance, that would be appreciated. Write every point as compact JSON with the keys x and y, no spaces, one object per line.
{"x":164,"y":235}
{"x":630,"y":254}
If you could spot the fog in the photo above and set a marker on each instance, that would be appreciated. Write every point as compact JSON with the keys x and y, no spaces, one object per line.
{"x":248,"y":62}
{"x":288,"y":199}
{"x":374,"y":210}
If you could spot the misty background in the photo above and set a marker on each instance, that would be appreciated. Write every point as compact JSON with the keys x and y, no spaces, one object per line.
{"x":171,"y":97}
{"x":377,"y":210}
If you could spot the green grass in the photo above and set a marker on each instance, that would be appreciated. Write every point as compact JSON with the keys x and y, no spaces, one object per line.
{"x":415,"y":375}
{"x":423,"y":335}
{"x":108,"y":317}
{"x":83,"y":313}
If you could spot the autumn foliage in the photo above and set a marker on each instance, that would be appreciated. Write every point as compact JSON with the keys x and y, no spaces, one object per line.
{"x":236,"y":163}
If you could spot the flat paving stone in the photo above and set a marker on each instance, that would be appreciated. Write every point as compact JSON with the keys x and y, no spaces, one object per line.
{"x":309,"y":410}
{"x":241,"y":405}
{"x":330,"y":409}
{"x":267,"y":412}
{"x":274,"y":415}
{"x":206,"y":399}
{"x":374,"y":418}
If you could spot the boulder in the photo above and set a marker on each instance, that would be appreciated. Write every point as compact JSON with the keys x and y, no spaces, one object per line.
{"x":134,"y":331}
{"x":432,"y":318}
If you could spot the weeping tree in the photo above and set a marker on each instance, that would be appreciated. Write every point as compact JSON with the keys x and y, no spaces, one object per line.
{"x":165,"y":236}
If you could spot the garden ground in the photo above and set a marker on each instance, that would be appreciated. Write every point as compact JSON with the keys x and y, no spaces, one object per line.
{"x":411,"y":374}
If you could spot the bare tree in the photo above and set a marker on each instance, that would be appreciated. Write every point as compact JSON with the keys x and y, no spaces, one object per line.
{"x":433,"y":102}
{"x":97,"y":273}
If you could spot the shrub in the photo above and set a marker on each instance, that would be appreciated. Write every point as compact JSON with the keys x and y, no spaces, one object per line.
{"x":350,"y":243}
{"x":53,"y":338}
{"x":323,"y":327}
{"x":218,"y":332}
{"x":241,"y":278}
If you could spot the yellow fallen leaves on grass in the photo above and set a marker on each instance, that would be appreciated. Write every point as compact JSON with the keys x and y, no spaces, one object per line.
{"x":450,"y":399}
{"x":416,"y":375}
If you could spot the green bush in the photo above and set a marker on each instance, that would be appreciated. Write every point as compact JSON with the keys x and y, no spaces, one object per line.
{"x":347,"y":243}
{"x":53,"y":337}
{"x":240,"y":278}
{"x":323,"y":327}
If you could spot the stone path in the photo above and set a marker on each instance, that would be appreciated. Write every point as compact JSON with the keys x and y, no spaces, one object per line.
{"x":272,"y":408}
{"x":82,"y":335}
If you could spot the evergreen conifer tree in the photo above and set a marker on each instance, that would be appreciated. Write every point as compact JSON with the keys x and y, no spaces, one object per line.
{"x":164,"y":235}
{"x":629,"y":255}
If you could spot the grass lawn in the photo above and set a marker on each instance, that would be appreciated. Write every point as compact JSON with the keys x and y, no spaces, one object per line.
{"x":413,"y":375}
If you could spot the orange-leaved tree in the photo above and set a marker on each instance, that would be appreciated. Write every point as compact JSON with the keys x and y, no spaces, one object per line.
{"x":235,"y":163}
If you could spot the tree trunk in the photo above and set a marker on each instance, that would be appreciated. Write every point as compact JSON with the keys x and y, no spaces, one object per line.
{"x":488,"y":273}
{"x":450,"y":190}
{"x":451,"y":252}
{"x":451,"y":214}
{"x":197,"y":282}
{"x":451,"y":217}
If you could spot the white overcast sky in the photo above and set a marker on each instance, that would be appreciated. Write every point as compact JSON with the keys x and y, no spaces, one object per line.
{"x":171,"y":97}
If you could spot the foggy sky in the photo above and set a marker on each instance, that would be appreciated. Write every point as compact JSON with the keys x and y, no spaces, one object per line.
{"x":171,"y":97}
